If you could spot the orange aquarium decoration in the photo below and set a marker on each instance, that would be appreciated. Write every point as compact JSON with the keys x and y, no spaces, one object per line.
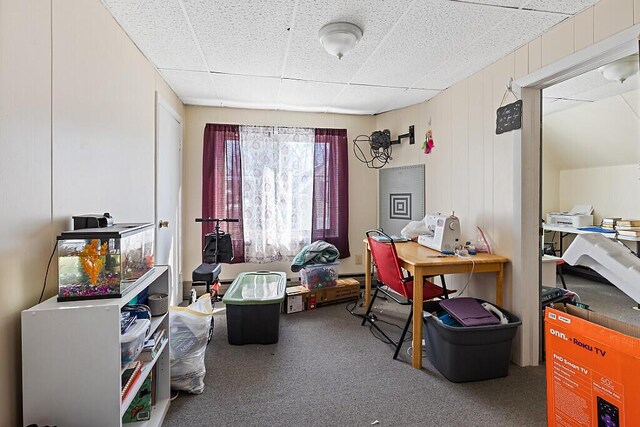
{"x":90,"y":259}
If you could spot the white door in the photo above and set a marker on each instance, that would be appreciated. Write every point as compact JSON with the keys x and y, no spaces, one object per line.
{"x":169,"y":194}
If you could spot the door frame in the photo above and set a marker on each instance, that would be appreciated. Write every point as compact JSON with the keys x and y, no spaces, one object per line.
{"x":527,"y":186}
{"x":160,"y":102}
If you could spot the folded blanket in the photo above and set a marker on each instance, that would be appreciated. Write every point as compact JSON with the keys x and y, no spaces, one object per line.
{"x":318,"y":252}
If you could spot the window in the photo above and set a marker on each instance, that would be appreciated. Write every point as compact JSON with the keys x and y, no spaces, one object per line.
{"x":288,"y":186}
{"x":277,"y":182}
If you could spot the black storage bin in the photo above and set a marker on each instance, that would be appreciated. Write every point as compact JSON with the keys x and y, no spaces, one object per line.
{"x":253,"y":324}
{"x":474,"y":353}
{"x":253,"y":307}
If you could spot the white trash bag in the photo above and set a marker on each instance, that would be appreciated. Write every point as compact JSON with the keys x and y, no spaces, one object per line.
{"x":189,"y":328}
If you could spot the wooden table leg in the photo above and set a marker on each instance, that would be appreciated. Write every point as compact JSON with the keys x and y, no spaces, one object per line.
{"x":499,"y":283}
{"x":418,"y":278}
{"x":367,"y":275}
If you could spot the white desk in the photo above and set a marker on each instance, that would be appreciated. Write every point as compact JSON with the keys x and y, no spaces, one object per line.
{"x":565,"y":230}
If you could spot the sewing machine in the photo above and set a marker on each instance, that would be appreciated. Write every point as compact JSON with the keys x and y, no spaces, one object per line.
{"x":444,"y":233}
{"x":579,"y":216}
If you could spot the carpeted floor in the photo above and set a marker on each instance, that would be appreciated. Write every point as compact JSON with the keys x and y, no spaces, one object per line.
{"x":604,"y":298}
{"x":327,"y":370}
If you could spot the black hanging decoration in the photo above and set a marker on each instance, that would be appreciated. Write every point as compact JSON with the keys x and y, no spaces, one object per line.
{"x":509,"y":117}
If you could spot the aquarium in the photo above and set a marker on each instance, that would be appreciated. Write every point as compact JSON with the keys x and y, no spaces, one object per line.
{"x":103,"y":262}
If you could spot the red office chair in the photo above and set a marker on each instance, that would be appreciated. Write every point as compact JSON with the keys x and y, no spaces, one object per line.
{"x":392,"y":282}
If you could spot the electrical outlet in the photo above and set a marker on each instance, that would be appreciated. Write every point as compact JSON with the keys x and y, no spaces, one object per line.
{"x":358,"y":259}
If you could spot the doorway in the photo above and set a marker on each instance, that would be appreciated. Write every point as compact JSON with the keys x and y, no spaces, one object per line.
{"x":591,"y":167}
{"x":527,"y":161}
{"x":168,"y":195}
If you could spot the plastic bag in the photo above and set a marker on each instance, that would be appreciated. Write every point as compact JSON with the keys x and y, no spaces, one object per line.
{"x":483,"y":242}
{"x":414,"y":229}
{"x":189,"y":328}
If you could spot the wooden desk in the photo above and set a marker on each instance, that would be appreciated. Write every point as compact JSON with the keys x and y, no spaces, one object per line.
{"x":424,"y":262}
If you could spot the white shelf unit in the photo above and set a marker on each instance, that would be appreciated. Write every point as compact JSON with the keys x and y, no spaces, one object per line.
{"x":71,"y":366}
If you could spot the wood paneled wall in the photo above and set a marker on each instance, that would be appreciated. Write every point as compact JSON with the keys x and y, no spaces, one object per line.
{"x":476,"y":173}
{"x":77,"y":135}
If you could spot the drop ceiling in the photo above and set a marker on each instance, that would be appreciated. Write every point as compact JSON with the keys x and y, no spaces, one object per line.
{"x":584,"y":89}
{"x":591,"y":122}
{"x":266,"y":54}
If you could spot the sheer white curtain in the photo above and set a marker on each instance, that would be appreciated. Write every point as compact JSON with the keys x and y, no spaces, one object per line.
{"x":277,"y":191}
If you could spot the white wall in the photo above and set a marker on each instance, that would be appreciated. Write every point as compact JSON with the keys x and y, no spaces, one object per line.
{"x":550,"y":182}
{"x":614,"y":191}
{"x":592,"y":155}
{"x":594,"y":134}
{"x":77,"y":136}
{"x":362,"y":181}
{"x":25,"y":179}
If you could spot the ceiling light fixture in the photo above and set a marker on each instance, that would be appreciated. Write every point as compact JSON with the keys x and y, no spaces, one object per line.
{"x":339,"y":38}
{"x":620,"y":70}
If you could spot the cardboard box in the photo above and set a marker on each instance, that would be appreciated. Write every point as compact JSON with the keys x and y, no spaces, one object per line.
{"x":593,"y":369}
{"x":345,"y":290}
{"x":295,"y":299}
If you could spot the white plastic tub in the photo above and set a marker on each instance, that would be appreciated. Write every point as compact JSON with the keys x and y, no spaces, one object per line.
{"x":132,"y":341}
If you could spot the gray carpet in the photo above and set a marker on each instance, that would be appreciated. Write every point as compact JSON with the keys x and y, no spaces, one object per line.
{"x":327,"y":370}
{"x":603,"y":298}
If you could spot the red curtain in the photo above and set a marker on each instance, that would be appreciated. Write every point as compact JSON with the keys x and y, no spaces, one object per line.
{"x":330,"y":215}
{"x":222,"y":182}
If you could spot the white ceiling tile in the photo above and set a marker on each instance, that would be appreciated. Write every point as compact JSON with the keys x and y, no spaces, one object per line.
{"x":121,"y":9}
{"x":553,"y":105}
{"x":242,"y":37}
{"x":365,"y":99}
{"x":253,"y":92}
{"x":190,"y":85}
{"x":310,"y":94}
{"x":521,"y":27}
{"x":307,"y":58}
{"x":425,"y":39}
{"x":564,"y":6}
{"x":418,"y":45}
{"x":410,"y":97}
{"x":160,"y":30}
{"x":609,"y":89}
{"x":591,"y":86}
{"x":489,"y":47}
{"x":579,"y":84}
{"x":506,"y":3}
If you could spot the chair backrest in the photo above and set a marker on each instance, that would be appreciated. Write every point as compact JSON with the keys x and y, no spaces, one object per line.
{"x":385,"y":257}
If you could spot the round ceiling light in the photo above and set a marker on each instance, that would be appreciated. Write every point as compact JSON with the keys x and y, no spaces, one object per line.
{"x":620,"y":70}
{"x":339,"y":38}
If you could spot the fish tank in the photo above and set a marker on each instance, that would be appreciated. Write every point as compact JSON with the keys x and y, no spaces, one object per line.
{"x":103,"y":262}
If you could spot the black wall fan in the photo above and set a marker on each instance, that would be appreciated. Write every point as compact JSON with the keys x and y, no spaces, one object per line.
{"x":379,"y":144}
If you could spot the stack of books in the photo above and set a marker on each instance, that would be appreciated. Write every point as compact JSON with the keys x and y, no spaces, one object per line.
{"x":628,"y":227}
{"x":610,"y":223}
{"x":152,"y":346}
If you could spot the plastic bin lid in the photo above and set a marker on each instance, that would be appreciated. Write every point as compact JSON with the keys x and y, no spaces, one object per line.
{"x":260,"y":287}
{"x":139,"y":328}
